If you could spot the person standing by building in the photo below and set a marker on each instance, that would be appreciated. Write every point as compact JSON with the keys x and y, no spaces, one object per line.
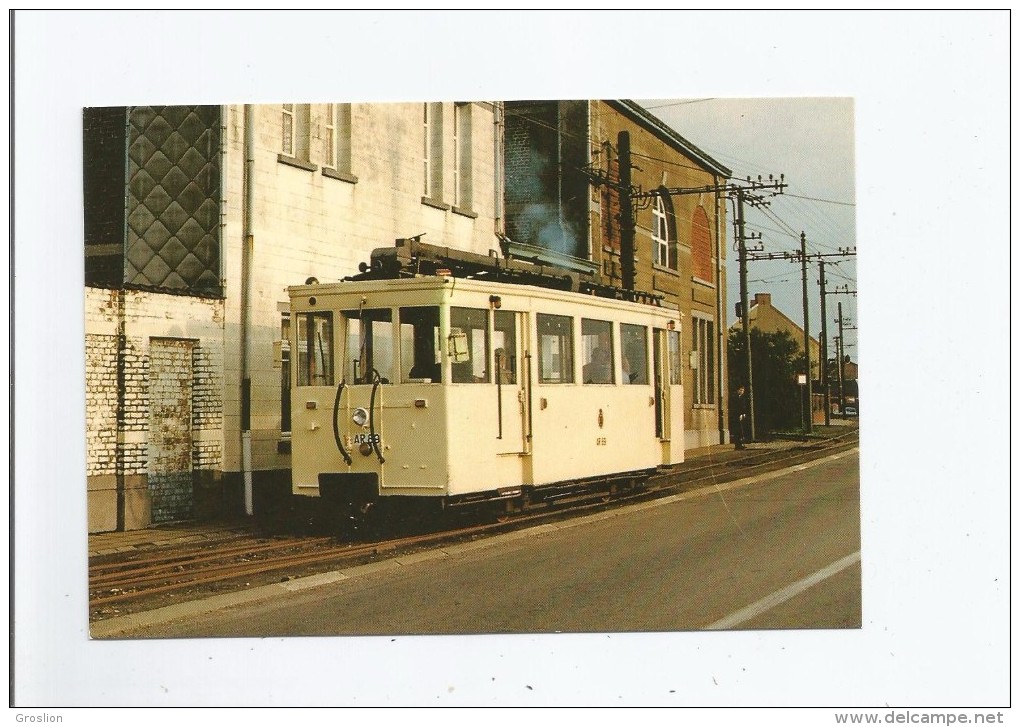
{"x":738,"y":417}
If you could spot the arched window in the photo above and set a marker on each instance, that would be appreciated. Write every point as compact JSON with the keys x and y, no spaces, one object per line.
{"x":664,"y":232}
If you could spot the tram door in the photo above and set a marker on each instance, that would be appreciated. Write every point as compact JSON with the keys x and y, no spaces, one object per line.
{"x":511,"y":373}
{"x":660,"y":372}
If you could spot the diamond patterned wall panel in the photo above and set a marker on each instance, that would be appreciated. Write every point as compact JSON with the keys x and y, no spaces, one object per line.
{"x":173,"y":216}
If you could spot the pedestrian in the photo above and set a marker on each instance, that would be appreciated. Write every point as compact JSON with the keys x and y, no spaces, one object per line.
{"x":738,"y":417}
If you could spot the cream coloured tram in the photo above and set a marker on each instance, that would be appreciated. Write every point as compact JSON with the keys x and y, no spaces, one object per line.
{"x":441,"y":390}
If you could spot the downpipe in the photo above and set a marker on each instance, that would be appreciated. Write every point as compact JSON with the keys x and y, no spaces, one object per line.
{"x":247,"y":250}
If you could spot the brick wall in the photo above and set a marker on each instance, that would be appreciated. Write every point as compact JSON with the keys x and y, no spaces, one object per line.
{"x":117,"y":458}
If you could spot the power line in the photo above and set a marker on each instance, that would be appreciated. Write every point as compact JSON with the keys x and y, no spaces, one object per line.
{"x":677,"y":103}
{"x":819,"y":199}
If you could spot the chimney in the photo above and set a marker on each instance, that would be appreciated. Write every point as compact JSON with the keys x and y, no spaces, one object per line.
{"x":763,"y":299}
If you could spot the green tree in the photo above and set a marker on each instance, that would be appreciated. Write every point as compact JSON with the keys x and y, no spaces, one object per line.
{"x":776,"y":360}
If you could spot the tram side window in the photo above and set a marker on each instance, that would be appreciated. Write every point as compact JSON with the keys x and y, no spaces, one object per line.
{"x":505,"y":341}
{"x":419,"y":345}
{"x":597,"y":352}
{"x":673,"y":341}
{"x":369,"y":346}
{"x":635,"y":353}
{"x":469,"y":345}
{"x":555,"y":349}
{"x":315,"y":349}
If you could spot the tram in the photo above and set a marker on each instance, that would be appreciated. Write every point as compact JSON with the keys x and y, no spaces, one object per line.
{"x":504,"y":384}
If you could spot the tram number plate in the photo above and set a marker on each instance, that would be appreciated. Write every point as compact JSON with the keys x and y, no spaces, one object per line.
{"x":367,"y":439}
{"x":600,"y":442}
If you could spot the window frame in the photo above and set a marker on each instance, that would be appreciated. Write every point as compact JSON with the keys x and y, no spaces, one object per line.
{"x":306,"y":359}
{"x":587,"y":353}
{"x":331,"y":128}
{"x":286,"y":415}
{"x":368,"y":344}
{"x":288,"y":123}
{"x":660,"y":224}
{"x":498,"y":328}
{"x":471,"y":329}
{"x":635,"y":377}
{"x":703,"y":386}
{"x":565,"y":350}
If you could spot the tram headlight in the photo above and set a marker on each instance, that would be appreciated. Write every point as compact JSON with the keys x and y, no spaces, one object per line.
{"x":360,"y":417}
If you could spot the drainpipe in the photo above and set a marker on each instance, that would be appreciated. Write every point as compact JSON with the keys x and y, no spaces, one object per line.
{"x":720,"y":328}
{"x":247,"y":247}
{"x":120,"y":456}
{"x":497,"y":158}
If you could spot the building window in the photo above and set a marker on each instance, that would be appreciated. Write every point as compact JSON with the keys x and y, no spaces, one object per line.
{"x":703,"y":360}
{"x":295,"y":130}
{"x":664,"y":251}
{"x":330,"y":127}
{"x":289,"y":129}
{"x":432,"y":150}
{"x":675,"y":371}
{"x":462,"y":160}
{"x":337,"y":133}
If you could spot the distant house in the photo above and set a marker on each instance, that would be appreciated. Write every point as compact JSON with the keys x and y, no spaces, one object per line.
{"x":767,"y":318}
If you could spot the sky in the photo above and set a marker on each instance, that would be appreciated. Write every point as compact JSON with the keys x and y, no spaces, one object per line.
{"x":810,"y":141}
{"x":926,"y":166}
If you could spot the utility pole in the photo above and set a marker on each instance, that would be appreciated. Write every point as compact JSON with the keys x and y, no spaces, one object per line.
{"x":842,"y":393}
{"x":807,"y":327}
{"x":745,"y":317}
{"x":823,"y":370}
{"x":626,"y":212}
{"x":741,"y":192}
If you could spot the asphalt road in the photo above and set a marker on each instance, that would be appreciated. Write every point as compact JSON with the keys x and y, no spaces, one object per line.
{"x":779,"y":552}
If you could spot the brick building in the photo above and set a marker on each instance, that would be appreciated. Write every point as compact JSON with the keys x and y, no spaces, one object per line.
{"x":554,"y":212}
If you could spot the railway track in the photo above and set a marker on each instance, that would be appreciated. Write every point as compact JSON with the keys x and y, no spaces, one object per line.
{"x":138,"y":581}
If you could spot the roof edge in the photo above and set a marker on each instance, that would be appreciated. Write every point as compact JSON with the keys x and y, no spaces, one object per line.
{"x":668,"y":134}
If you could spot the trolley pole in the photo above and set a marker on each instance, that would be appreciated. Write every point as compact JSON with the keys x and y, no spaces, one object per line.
{"x":824,"y":343}
{"x":744,"y":310}
{"x":807,"y":328}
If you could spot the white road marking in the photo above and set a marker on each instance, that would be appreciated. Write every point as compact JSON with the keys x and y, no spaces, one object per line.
{"x":784,"y":594}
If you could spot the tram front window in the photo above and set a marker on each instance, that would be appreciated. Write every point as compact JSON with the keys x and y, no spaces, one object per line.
{"x":419,"y":345}
{"x":315,"y":349}
{"x":369,"y":346}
